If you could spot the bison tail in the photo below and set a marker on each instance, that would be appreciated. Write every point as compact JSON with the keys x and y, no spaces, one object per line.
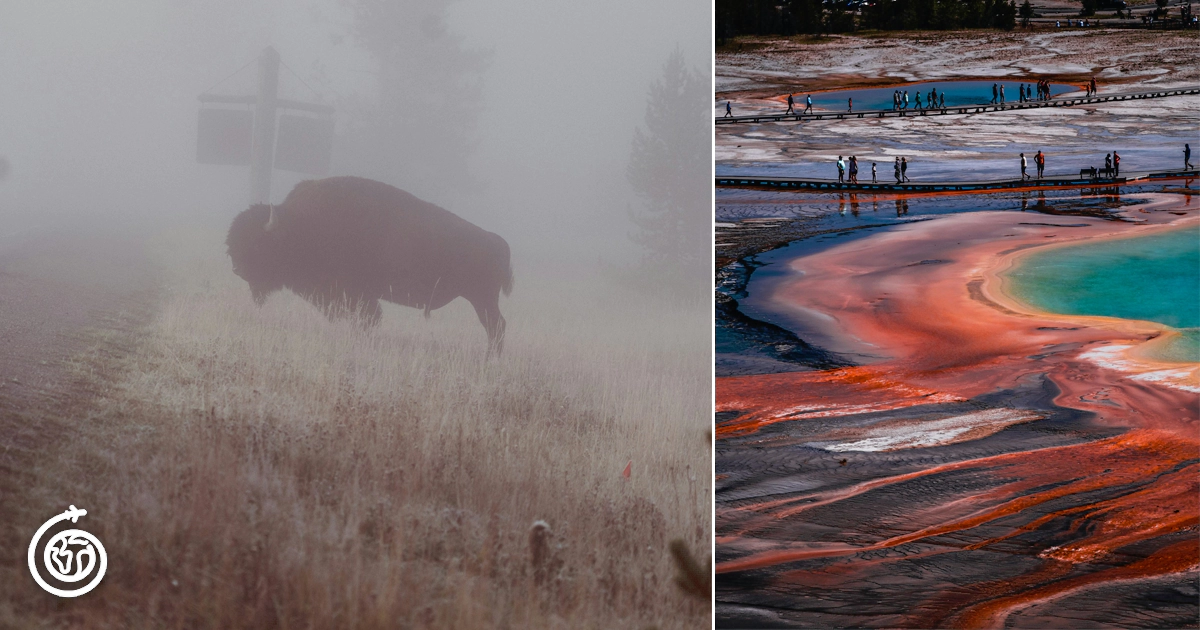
{"x":508,"y":282}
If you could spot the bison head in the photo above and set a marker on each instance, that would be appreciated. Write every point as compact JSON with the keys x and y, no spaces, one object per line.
{"x":256,"y":250}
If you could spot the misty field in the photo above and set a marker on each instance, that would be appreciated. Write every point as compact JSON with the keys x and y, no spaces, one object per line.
{"x":251,"y":468}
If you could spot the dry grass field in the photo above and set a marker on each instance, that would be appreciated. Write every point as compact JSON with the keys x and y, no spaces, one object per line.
{"x":254,"y":468}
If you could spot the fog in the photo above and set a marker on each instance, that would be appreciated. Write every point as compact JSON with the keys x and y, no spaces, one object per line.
{"x":516,"y":116}
{"x":250,"y":462}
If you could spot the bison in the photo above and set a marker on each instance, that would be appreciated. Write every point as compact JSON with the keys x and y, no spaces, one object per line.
{"x":344,"y":243}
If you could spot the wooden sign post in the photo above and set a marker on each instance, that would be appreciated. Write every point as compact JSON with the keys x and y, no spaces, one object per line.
{"x":243,"y":137}
{"x":262,"y":154}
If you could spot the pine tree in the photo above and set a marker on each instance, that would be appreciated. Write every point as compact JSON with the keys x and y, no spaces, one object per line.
{"x":423,"y":71}
{"x":670,"y":168}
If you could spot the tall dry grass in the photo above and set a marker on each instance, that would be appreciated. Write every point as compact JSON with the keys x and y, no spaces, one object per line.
{"x":251,"y":468}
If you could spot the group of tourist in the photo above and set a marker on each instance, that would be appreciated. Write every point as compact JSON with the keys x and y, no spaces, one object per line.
{"x":852,"y":166}
{"x":1112,"y":163}
{"x":936,"y":101}
{"x":1043,"y":91}
{"x":792,"y":105}
{"x":997,"y":95}
{"x":1039,"y":161}
{"x":1026,"y":93}
{"x":848,"y":170}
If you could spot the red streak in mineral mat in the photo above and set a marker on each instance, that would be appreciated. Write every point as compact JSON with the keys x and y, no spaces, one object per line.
{"x":929,"y":299}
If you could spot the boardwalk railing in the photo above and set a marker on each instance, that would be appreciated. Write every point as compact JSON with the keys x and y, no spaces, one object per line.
{"x":957,"y":109}
{"x":825,"y":185}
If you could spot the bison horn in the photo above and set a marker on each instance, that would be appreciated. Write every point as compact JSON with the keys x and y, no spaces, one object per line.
{"x":270,"y":220}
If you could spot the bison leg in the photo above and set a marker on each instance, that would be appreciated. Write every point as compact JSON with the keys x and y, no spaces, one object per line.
{"x":488,"y":311}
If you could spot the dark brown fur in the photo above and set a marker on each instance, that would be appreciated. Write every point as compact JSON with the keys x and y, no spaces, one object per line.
{"x":345,"y":243}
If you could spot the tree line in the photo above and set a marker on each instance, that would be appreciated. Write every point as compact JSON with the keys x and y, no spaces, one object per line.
{"x":792,"y":17}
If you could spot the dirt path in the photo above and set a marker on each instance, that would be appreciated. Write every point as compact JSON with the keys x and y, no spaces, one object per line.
{"x":64,"y":294}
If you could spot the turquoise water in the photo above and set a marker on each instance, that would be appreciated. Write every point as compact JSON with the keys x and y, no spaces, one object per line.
{"x":1154,"y":278}
{"x":957,"y":93}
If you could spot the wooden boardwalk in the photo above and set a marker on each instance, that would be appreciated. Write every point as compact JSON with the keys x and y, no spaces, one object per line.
{"x":826,"y":185}
{"x":956,"y":110}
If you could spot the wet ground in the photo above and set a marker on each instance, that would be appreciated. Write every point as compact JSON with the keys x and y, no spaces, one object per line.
{"x":898,"y":444}
{"x":1149,"y":135}
{"x":758,"y":231}
{"x":884,"y":496}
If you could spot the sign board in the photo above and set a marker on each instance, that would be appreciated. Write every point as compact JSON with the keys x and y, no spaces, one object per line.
{"x":304,"y":144}
{"x":224,"y":136}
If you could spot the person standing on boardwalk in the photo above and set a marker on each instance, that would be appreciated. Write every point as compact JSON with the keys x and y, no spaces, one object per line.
{"x":1187,"y":157}
{"x":1116,"y":164}
{"x":1001,"y":93}
{"x":1024,"y":165}
{"x":1021,"y":96}
{"x":808,"y":104}
{"x":873,"y":174}
{"x":897,"y":167}
{"x":728,"y":110}
{"x":905,"y":100}
{"x":918,"y":100}
{"x":904,"y":169}
{"x":853,"y":170}
{"x":841,"y":169}
{"x":995,"y":93}
{"x":942,"y":98}
{"x":1108,"y":165}
{"x":1093,"y":86}
{"x":850,"y":104}
{"x":1039,"y":161}
{"x":791,"y":103}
